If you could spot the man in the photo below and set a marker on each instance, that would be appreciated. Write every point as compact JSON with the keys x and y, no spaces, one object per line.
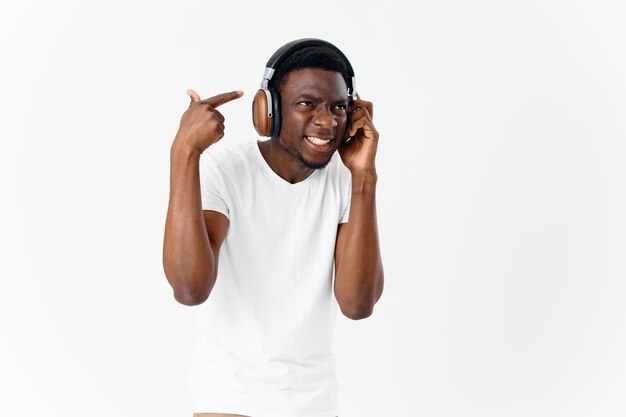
{"x":275,"y":215}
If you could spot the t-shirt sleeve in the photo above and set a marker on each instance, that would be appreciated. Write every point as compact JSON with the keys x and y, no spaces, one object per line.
{"x":346,"y":213}
{"x":347,"y":198}
{"x":212,"y":190}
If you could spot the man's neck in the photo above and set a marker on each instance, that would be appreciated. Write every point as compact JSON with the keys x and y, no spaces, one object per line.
{"x":282,"y":162}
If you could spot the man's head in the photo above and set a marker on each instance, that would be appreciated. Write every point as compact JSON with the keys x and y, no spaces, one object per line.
{"x":294,"y":55}
{"x":302,"y":104}
{"x":313,"y":100}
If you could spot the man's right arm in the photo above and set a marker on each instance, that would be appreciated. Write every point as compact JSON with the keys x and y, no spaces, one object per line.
{"x":192,"y":237}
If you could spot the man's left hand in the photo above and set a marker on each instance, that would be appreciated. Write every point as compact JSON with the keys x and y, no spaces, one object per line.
{"x":359,"y":152}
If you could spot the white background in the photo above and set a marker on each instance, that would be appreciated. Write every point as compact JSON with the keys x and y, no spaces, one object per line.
{"x":501,"y":200}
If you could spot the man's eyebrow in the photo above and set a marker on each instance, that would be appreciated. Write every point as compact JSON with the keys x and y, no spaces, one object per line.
{"x":308,"y":96}
{"x":311,"y":97}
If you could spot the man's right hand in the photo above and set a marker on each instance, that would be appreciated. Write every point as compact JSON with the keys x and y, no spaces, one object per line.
{"x":202,"y":125}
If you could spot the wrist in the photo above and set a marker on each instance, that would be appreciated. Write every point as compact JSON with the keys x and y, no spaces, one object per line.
{"x":184,"y":154}
{"x":364,"y":181}
{"x":184,"y":149}
{"x":366,"y":173}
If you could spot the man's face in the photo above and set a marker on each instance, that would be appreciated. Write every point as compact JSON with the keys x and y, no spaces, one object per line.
{"x":314,"y":118}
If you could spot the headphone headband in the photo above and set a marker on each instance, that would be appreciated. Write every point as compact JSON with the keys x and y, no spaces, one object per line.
{"x":289,"y":48}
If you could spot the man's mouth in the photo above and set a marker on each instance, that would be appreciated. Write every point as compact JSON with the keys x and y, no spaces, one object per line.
{"x":319,"y":143}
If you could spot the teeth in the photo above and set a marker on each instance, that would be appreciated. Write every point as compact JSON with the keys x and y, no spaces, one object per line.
{"x":317,"y":141}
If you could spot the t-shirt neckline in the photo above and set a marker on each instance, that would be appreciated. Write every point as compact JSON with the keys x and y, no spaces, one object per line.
{"x":273,"y":176}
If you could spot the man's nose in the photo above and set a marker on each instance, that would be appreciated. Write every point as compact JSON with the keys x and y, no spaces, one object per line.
{"x":324,"y":117}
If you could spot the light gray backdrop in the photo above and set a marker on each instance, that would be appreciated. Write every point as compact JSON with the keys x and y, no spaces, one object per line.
{"x":501,"y":200}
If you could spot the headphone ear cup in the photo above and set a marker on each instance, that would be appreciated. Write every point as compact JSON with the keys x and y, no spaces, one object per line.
{"x":262,"y":122}
{"x":276,"y":113}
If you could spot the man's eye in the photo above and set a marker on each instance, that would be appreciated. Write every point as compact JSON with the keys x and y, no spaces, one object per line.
{"x":341,"y":106}
{"x":305,"y":103}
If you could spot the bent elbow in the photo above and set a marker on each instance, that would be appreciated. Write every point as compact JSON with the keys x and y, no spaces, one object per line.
{"x":188,"y":289}
{"x":190,"y":298}
{"x":358,"y":314}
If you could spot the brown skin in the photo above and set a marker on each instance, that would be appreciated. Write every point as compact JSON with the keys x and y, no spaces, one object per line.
{"x":313,"y":104}
{"x":192,"y":237}
{"x":359,"y":276}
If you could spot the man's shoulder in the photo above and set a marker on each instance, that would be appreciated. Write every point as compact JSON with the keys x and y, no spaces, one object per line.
{"x":228,"y":155}
{"x":224,"y":149}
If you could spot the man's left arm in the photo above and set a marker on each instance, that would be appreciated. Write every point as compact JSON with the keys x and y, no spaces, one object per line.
{"x":359,"y":277}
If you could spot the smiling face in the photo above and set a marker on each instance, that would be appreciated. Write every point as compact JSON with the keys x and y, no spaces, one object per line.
{"x":314,"y":118}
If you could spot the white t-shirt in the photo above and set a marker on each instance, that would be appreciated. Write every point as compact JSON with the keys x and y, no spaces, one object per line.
{"x":265,"y":333}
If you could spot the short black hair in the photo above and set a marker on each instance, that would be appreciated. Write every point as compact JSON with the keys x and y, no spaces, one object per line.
{"x":309,"y":57}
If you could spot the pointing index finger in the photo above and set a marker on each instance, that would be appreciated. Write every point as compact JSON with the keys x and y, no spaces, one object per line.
{"x":220,"y":99}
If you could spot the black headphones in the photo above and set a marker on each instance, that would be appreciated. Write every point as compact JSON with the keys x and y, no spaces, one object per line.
{"x":266,"y":102}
